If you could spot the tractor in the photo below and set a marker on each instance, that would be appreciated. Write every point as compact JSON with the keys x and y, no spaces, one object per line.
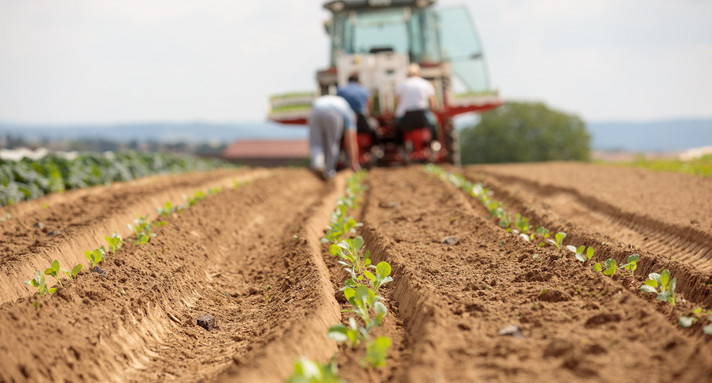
{"x":378,"y":40}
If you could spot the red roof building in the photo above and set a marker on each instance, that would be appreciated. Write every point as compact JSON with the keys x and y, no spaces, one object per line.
{"x":268,"y":152}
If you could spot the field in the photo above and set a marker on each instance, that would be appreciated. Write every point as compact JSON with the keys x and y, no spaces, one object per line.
{"x":471,"y":299}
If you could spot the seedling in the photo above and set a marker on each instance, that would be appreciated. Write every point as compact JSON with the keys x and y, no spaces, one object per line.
{"x":383,"y":270}
{"x":214,"y":190}
{"x":95,"y":256}
{"x":351,"y":334}
{"x":611,"y":267}
{"x":579,"y":253}
{"x":306,"y":371}
{"x":40,"y":284}
{"x":662,"y":285}
{"x":559,"y":240}
{"x":687,"y":321}
{"x":376,"y":352}
{"x":363,"y":300}
{"x":166,"y":210}
{"x":142,"y":230}
{"x":632,"y":264}
{"x":521,"y":223}
{"x":74,"y":272}
{"x":115,"y":242}
{"x":54,"y":271}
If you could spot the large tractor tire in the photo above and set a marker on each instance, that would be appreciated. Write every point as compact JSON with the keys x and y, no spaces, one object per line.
{"x":451,"y":144}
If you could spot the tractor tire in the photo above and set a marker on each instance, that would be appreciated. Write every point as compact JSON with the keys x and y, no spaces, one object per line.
{"x":451,"y":144}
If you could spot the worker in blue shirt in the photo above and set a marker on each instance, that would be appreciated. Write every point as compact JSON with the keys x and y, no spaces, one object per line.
{"x":329,"y":119}
{"x":359,"y":98}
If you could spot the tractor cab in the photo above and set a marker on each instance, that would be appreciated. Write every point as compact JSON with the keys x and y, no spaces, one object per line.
{"x":378,"y":39}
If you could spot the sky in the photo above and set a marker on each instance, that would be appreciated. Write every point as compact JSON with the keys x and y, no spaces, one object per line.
{"x":110,"y":61}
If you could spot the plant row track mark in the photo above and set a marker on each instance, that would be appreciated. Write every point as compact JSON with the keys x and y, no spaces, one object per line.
{"x":587,"y":219}
{"x":139,"y":322}
{"x":82,"y":218}
{"x":684,"y":243}
{"x":455,"y":299}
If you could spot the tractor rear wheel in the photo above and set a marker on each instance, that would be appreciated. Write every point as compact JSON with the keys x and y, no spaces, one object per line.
{"x":451,"y":144}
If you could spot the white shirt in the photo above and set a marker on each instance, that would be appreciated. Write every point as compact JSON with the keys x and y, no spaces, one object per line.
{"x":413,"y":94}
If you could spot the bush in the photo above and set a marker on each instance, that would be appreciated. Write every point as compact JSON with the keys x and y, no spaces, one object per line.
{"x":525,"y":132}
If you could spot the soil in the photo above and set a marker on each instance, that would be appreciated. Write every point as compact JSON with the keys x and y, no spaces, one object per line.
{"x":238,"y":286}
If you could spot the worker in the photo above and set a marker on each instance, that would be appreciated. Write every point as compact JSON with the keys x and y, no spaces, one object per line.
{"x":329,"y":119}
{"x":414,"y":98}
{"x":359,"y":98}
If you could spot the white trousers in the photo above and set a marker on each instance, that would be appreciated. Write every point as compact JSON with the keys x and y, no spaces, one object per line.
{"x":325,"y":129}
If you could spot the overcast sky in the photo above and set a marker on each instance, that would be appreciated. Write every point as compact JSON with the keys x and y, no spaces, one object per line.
{"x":101,"y":61}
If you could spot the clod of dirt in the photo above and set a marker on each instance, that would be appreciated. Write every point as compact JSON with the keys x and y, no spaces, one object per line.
{"x":513,"y":331}
{"x":600,"y":319}
{"x":450,"y":241}
{"x":100,"y":271}
{"x":207,"y":322}
{"x":54,"y":232}
{"x":553,"y":296}
{"x":558,"y":348}
{"x":38,"y":225}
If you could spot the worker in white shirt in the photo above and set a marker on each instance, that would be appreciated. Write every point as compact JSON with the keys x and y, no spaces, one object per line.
{"x":414,"y":98}
{"x":329,"y":119}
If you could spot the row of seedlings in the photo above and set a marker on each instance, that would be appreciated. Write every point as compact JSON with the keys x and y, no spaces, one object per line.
{"x":360,"y":290}
{"x":142,"y":231}
{"x":660,"y":284}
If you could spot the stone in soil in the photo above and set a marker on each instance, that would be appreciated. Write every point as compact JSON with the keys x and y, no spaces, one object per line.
{"x":451,"y":241}
{"x":38,"y":225}
{"x":100,"y":271}
{"x":207,"y":322}
{"x":513,"y":331}
{"x":53,"y":233}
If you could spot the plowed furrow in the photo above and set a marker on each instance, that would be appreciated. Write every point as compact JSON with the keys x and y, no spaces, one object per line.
{"x":63,"y":226}
{"x":454,"y":299}
{"x":613,"y":232}
{"x":232,"y":256}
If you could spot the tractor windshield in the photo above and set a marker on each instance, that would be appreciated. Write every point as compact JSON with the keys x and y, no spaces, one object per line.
{"x":399,"y":30}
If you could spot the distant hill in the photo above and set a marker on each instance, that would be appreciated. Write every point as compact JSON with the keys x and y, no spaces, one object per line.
{"x":657,"y":136}
{"x":660,"y":136}
{"x":164,"y":132}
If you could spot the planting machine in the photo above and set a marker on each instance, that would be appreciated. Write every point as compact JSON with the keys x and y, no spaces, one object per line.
{"x":378,"y":39}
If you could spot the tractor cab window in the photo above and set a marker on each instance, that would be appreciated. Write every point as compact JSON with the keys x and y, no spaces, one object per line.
{"x":378,"y":31}
{"x":401,"y":30}
{"x":460,"y":45}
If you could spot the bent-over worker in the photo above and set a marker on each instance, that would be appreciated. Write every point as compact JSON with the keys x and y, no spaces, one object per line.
{"x":329,"y":119}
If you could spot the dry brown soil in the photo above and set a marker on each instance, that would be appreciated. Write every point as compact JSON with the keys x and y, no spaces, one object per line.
{"x":251,"y":257}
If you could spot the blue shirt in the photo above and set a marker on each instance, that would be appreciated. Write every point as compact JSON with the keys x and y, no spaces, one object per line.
{"x":356,"y":95}
{"x":338,"y":104}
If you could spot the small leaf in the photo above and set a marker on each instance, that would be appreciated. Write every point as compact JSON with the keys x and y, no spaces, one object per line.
{"x":369,"y":275}
{"x":383,"y":269}
{"x":580,"y":249}
{"x":338,"y":333}
{"x":665,"y":277}
{"x":648,"y":289}
{"x":580,"y":257}
{"x":589,"y":253}
{"x":597,"y":267}
{"x":664,"y":296}
{"x":571,"y":248}
{"x":707,"y":329}
{"x":77,"y":269}
{"x":633,"y":258}
{"x":380,"y":308}
{"x":652,"y":283}
{"x":685,"y":321}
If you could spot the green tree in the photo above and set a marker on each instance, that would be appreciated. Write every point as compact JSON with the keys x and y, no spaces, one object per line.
{"x":525,"y":132}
